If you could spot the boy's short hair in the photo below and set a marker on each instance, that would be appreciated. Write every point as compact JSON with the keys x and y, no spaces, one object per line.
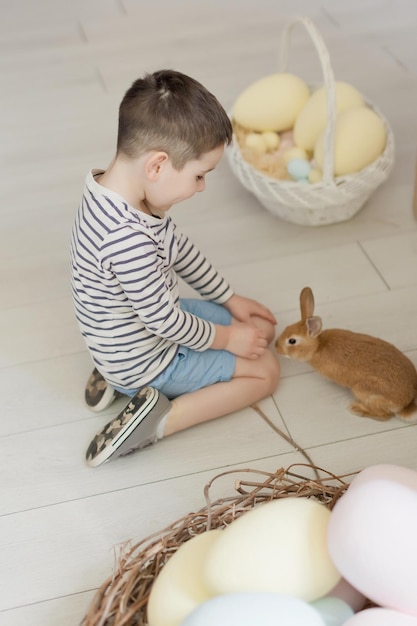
{"x":172,"y":112}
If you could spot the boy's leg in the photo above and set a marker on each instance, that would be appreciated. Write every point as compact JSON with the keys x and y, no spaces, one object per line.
{"x":252,"y":381}
{"x":99,"y":394}
{"x":142,"y":422}
{"x":149,"y":416}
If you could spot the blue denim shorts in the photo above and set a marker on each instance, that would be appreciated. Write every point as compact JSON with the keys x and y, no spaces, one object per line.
{"x":191,"y":370}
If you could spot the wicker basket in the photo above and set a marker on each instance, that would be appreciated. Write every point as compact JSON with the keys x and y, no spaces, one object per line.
{"x":122,"y":598}
{"x":333,"y":199}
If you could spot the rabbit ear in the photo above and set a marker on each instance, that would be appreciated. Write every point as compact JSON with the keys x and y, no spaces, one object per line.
{"x":306,"y":303}
{"x":314,"y":326}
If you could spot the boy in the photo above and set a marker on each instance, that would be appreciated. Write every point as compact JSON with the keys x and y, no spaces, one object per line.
{"x":182,"y":362}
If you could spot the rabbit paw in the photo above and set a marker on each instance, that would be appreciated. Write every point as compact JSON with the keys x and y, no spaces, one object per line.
{"x":364,"y":411}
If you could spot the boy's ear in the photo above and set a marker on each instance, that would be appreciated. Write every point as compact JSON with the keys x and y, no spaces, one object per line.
{"x":154,"y":164}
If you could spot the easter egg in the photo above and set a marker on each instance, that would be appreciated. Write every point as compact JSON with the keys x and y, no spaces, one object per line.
{"x":372,"y":538}
{"x":179,"y":586}
{"x":280,"y":546}
{"x":256,"y":141}
{"x":299,"y":168}
{"x":286,"y":140}
{"x":381,"y":617}
{"x":315,"y":175}
{"x":271,"y":139}
{"x":271,"y":103}
{"x":312,"y":119}
{"x":294,"y":153}
{"x":249,"y":609}
{"x":333,"y":611}
{"x":385,"y":471}
{"x":360,"y":138}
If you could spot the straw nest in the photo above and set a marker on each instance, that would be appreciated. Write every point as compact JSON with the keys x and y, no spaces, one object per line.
{"x":122,"y":598}
{"x":271,"y":163}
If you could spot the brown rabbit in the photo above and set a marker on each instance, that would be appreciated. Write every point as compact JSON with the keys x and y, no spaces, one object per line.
{"x":382,"y":379}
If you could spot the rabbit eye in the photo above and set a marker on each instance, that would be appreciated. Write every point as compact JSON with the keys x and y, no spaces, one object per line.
{"x":292,"y":341}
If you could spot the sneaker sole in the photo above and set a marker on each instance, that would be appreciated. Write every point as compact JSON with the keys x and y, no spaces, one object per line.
{"x":116,"y":444}
{"x":108,"y":397}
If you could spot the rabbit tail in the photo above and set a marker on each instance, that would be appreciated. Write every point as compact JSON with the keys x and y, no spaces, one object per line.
{"x":409,"y":411}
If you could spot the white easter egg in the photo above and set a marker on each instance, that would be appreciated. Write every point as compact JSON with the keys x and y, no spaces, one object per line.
{"x":280,"y":546}
{"x":381,"y":617}
{"x":254,"y":609}
{"x":271,"y":103}
{"x":179,"y":586}
{"x":312,"y":119}
{"x":360,"y":138}
{"x":372,"y":539}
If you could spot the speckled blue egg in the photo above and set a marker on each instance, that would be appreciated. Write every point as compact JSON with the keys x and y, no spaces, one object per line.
{"x":299,"y":168}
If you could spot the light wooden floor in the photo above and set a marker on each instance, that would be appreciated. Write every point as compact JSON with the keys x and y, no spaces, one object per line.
{"x":64,"y":67}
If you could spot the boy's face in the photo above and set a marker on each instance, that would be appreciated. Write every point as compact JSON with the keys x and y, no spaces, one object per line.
{"x":174,"y":186}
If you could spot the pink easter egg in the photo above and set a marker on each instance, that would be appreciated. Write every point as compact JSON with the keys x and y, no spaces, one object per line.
{"x":393,"y":473}
{"x":286,"y":140}
{"x":372,"y":539}
{"x":381,"y":617}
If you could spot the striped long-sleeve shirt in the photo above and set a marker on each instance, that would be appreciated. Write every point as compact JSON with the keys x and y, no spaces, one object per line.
{"x":125,"y":265}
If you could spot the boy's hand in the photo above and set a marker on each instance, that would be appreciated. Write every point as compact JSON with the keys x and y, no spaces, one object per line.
{"x":246,"y":340}
{"x":243,"y":309}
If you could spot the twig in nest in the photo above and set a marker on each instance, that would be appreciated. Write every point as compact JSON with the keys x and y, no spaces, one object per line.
{"x":287,"y":438}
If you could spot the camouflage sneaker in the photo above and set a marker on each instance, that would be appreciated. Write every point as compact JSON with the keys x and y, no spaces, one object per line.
{"x":99,"y":395}
{"x":134,"y":428}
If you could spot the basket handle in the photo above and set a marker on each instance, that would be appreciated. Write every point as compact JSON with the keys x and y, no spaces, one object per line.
{"x":329,"y":83}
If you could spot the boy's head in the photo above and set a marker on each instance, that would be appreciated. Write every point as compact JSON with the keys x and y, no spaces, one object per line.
{"x":170,"y":112}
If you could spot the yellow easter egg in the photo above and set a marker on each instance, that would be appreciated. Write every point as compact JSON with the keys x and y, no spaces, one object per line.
{"x":271,"y":139}
{"x":256,"y":142}
{"x":312,"y":118}
{"x":280,"y":547}
{"x":271,"y":103}
{"x":294,"y":153}
{"x":315,"y":175}
{"x":179,"y":587}
{"x":360,"y":138}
